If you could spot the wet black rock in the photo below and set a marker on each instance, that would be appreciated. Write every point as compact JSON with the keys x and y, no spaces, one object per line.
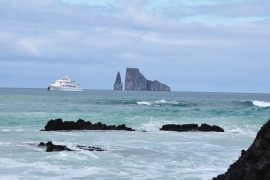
{"x":180,"y":128}
{"x":208,"y":128}
{"x":50,"y":147}
{"x":59,"y":124}
{"x":191,"y":127}
{"x":253,"y":163}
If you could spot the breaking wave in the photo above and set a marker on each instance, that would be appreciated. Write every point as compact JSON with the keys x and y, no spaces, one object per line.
{"x":134,"y":102}
{"x":261,"y":103}
{"x":164,"y":103}
{"x":252,"y":103}
{"x":114,"y":102}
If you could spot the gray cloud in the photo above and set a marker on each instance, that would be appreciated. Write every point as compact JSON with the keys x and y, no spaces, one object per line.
{"x":224,"y":9}
{"x":43,"y":40}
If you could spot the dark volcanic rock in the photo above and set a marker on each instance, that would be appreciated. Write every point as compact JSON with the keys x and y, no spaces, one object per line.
{"x":190,"y":127}
{"x":254,"y":163}
{"x":58,"y":124}
{"x":118,"y":83}
{"x":50,"y":147}
{"x":208,"y":128}
{"x":54,"y":125}
{"x":179,"y":128}
{"x":136,"y":81}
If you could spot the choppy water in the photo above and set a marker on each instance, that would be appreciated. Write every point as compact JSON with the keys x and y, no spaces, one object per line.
{"x":130,"y":155}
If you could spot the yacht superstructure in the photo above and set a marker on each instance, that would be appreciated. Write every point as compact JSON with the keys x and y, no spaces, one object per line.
{"x":64,"y":84}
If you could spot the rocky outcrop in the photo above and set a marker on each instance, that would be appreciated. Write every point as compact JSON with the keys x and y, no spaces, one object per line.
{"x":156,"y":86}
{"x":50,"y":147}
{"x":58,"y":124}
{"x":191,"y":127}
{"x":253,"y":163}
{"x":118,"y":83}
{"x":208,"y":128}
{"x":136,"y":81}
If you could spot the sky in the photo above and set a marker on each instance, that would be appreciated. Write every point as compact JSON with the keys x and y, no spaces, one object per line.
{"x":199,"y":45}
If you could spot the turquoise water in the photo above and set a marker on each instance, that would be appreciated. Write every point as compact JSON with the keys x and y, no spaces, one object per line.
{"x":130,"y":155}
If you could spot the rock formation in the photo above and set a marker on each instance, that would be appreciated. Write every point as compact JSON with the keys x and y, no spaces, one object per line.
{"x":50,"y":147}
{"x":253,"y":163}
{"x":156,"y":86}
{"x":191,"y":127}
{"x":58,"y":124}
{"x":136,"y":81}
{"x":118,"y":83}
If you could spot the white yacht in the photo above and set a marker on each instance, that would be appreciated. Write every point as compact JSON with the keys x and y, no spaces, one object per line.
{"x":64,"y":84}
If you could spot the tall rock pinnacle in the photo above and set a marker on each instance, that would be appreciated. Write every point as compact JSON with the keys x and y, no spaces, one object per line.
{"x":118,"y":84}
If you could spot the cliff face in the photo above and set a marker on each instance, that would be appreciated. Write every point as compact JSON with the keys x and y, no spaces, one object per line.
{"x":253,"y":163}
{"x":118,"y":83}
{"x":136,"y":81}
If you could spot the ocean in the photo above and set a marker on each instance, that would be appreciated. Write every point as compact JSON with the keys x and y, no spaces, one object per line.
{"x":153,"y":154}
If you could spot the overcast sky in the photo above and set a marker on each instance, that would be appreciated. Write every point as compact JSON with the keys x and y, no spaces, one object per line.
{"x":199,"y":45}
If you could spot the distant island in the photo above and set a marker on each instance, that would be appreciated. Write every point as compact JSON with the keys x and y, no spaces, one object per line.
{"x":136,"y":81}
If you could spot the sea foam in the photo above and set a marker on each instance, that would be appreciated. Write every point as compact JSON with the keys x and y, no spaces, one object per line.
{"x":144,"y":103}
{"x":261,"y":103}
{"x":163,"y":102}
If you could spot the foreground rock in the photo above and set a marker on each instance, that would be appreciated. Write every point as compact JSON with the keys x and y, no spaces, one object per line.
{"x":191,"y":127}
{"x":58,"y":124}
{"x":118,"y":83}
{"x":50,"y":147}
{"x":136,"y":81}
{"x":253,"y":163}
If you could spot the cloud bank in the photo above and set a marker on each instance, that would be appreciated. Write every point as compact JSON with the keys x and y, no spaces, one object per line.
{"x":198,"y":46}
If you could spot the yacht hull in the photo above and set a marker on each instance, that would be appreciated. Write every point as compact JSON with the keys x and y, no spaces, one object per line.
{"x":57,"y":88}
